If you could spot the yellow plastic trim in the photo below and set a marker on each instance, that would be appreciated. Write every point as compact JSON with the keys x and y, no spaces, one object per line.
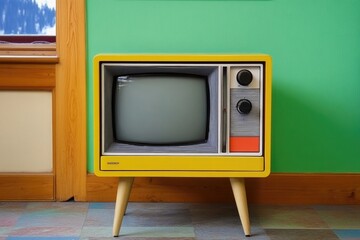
{"x":181,"y":163}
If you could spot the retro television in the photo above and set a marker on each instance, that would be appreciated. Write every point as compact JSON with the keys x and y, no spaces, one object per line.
{"x":182,"y":115}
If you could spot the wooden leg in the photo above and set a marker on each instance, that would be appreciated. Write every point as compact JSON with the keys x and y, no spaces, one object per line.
{"x":238,"y":187}
{"x":122,"y":198}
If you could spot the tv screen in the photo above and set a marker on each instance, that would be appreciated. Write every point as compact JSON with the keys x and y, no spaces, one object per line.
{"x":161,"y":109}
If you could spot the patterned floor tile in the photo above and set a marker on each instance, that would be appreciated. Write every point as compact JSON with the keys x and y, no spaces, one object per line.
{"x":216,"y":222}
{"x":102,"y":205}
{"x":9,"y":218}
{"x":46,"y":232}
{"x":301,"y":234}
{"x":288,"y":217}
{"x":212,"y":215}
{"x":139,"y":238}
{"x":42,"y":238}
{"x":157,"y":217}
{"x":158,"y":232}
{"x":175,"y":221}
{"x":345,"y":234}
{"x":96,"y":232}
{"x":157,"y":206}
{"x":64,"y":206}
{"x":10,"y":213}
{"x":258,"y":234}
{"x":340,"y":217}
{"x":50,"y":214}
{"x":4,"y":231}
{"x":13,"y":205}
{"x":51,"y":218}
{"x":97,"y":217}
{"x":148,"y":232}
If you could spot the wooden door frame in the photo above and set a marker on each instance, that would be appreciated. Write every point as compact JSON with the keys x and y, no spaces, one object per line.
{"x":70,"y":121}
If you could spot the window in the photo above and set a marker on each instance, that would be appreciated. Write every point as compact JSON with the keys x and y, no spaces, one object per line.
{"x":27,"y":27}
{"x":27,"y":21}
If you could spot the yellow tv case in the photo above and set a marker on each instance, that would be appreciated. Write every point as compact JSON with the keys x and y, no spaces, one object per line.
{"x":186,"y":165}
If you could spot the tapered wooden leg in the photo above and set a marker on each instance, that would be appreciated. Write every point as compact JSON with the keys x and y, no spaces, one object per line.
{"x":122,"y":198}
{"x":238,"y":187}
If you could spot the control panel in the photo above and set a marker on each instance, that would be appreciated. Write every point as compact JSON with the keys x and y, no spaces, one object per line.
{"x":246,"y":109}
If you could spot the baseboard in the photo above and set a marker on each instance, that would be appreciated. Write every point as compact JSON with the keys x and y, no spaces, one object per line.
{"x":275,"y":189}
{"x":27,"y":187}
{"x":305,"y":189}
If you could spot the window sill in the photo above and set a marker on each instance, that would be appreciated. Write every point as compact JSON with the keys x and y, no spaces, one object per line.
{"x":28,"y":53}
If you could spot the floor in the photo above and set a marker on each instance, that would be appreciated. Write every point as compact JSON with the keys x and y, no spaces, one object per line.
{"x":174,"y":221}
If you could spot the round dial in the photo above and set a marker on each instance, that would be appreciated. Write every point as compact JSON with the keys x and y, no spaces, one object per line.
{"x":244,"y":77}
{"x":243,"y":106}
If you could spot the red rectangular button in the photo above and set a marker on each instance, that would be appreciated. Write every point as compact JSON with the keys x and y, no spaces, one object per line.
{"x":244,"y":144}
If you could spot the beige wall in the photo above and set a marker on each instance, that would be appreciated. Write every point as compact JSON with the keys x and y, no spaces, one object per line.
{"x":26,"y":142}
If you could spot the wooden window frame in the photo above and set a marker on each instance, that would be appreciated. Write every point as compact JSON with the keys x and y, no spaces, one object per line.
{"x":15,"y":48}
{"x":28,"y":49}
{"x":66,"y":59}
{"x":28,"y":39}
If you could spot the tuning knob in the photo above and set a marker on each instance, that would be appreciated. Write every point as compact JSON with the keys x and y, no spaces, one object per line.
{"x":244,"y":106}
{"x":244,"y":77}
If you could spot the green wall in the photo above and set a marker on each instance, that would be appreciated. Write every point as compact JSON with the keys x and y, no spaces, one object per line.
{"x":315,"y":45}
